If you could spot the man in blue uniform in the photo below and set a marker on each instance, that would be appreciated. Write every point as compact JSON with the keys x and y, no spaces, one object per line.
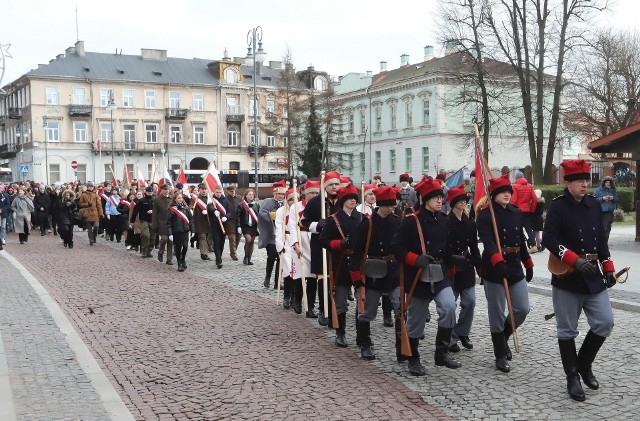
{"x":422,"y":244}
{"x":574,"y":233}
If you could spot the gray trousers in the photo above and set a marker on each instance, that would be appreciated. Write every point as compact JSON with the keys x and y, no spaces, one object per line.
{"x":371,"y":300}
{"x":465,"y":318}
{"x":497,"y":303}
{"x":342,"y":292}
{"x":204,"y":242}
{"x":418,"y":308}
{"x":164,"y":240}
{"x":569,"y":305}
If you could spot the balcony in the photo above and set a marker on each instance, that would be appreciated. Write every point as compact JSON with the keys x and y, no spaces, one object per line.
{"x":235,"y":114}
{"x":77,"y":110}
{"x":15,"y":113}
{"x":176,"y":113}
{"x":262,"y":150}
{"x":8,"y":151}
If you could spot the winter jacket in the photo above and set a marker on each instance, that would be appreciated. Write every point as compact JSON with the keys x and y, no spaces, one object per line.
{"x":66,"y":209}
{"x":602,"y":191}
{"x":523,"y":196}
{"x":90,"y":206}
{"x":159,"y":215}
{"x":174,"y":223}
{"x":5,"y":204}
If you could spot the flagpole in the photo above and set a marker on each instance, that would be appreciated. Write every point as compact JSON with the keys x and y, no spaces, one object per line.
{"x":456,"y":172}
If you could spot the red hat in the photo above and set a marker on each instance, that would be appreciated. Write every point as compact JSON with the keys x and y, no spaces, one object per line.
{"x":428,"y":188}
{"x":344,"y":181}
{"x":500,"y":184}
{"x":385,"y":196}
{"x":368,"y":188}
{"x":576,"y":169}
{"x":291,"y":193}
{"x":312,"y":186}
{"x":440,"y":176}
{"x":332,"y":177}
{"x":346,"y":193}
{"x":473,"y":173}
{"x":280,"y":187}
{"x":456,"y":194}
{"x":404,"y":177}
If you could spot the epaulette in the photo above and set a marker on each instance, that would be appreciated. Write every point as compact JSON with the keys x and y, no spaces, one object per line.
{"x":558,"y":197}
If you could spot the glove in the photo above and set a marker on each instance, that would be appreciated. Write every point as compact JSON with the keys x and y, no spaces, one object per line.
{"x":345,"y":243}
{"x":272,"y":214}
{"x":320,"y":225}
{"x":501,"y":270}
{"x":171,"y":238}
{"x":109,"y":217}
{"x":224,"y":219}
{"x":424,"y":260}
{"x":356,"y":279}
{"x":610,"y":279}
{"x":585,"y":267}
{"x":239,"y":230}
{"x":204,"y":212}
{"x":217,"y":214}
{"x":529,"y":274}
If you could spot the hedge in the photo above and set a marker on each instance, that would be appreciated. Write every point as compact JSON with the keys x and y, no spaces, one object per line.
{"x":626,"y":203}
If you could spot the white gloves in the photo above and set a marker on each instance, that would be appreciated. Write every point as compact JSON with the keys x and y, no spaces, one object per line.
{"x":171,"y":238}
{"x":239,"y":230}
{"x":224,"y":219}
{"x":108,"y":216}
{"x":217,"y":214}
{"x":204,"y":212}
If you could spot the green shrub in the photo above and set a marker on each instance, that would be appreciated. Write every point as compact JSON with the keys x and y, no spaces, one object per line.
{"x":626,"y":194}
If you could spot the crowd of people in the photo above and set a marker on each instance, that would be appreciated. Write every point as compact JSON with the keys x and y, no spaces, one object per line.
{"x":402,"y":247}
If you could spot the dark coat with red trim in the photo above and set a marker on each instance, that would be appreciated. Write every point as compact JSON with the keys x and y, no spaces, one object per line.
{"x":463,"y":235}
{"x":382,"y":232}
{"x":176,"y":224}
{"x":310,"y":214}
{"x":330,"y":238}
{"x":510,"y":229}
{"x":406,"y":246}
{"x":573,"y":228}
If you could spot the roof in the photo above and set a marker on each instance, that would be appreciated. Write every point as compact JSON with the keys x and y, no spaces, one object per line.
{"x":624,"y":140}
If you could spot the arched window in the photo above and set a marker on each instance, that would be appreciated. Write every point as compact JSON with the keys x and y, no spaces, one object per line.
{"x":231,"y":75}
{"x":320,"y":83}
{"x":232,"y":136}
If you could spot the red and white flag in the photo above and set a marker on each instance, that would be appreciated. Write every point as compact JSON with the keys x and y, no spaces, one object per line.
{"x":165,"y":178}
{"x":142,"y":182}
{"x":182,"y":178}
{"x":211,"y":178}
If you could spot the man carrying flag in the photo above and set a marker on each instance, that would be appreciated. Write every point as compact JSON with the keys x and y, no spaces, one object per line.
{"x":201,"y":221}
{"x":218,"y":211}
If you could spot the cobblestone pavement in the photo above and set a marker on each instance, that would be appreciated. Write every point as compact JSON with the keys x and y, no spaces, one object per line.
{"x":248,"y":359}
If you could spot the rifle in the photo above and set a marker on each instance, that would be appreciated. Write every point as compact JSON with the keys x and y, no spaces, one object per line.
{"x":496,"y":235}
{"x":303,"y":279}
{"x":281,"y":257}
{"x":334,"y":310}
{"x":361,"y":290}
{"x":323,"y":215}
{"x":405,"y":346}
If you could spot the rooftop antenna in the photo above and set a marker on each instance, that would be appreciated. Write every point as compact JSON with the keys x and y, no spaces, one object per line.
{"x":77,"y":36}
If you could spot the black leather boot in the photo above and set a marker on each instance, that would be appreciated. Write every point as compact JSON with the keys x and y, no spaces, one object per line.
{"x":180,"y":267}
{"x":387,"y":319}
{"x":466,"y":342}
{"x":441,"y":355}
{"x":415,"y":367}
{"x":500,"y":351}
{"x":587,"y":354}
{"x":297,"y":295}
{"x":364,"y":337}
{"x":507,"y":334}
{"x":399,"y":357}
{"x":286,"y":301}
{"x":570,"y":364}
{"x":341,"y":336}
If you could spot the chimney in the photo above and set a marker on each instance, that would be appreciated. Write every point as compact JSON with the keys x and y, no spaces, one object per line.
{"x":69,"y":51}
{"x":59,"y":56}
{"x":153,"y":54}
{"x":369,"y":73}
{"x":80,"y":48}
{"x":404,"y":60}
{"x":452,"y":46}
{"x":275,"y":65}
{"x":428,"y":52}
{"x":226,"y":54}
{"x":383,"y":66}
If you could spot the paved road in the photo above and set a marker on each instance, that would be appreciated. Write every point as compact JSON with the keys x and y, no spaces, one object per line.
{"x":247,"y":359}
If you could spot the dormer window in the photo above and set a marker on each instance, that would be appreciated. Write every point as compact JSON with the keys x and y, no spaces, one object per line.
{"x":320,"y":84}
{"x":231,"y":75}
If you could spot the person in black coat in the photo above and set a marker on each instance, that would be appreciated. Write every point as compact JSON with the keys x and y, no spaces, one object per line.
{"x":219,"y":211}
{"x":537,"y":219}
{"x":179,"y":224}
{"x":42,"y":204}
{"x":247,"y":223}
{"x":66,"y":216}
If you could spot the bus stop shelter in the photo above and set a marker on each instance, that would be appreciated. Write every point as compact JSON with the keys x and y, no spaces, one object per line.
{"x":626,"y":140}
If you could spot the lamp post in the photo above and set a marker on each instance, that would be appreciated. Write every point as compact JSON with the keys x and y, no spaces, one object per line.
{"x":254,"y":36}
{"x":111,"y":107}
{"x":46,"y":149}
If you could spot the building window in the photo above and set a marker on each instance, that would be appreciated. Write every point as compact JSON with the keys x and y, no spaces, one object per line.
{"x":378,"y":119}
{"x":351,"y":123}
{"x":408,"y":158}
{"x":105,"y":96}
{"x":392,"y":160}
{"x":108,"y":174}
{"x":271,"y":106}
{"x":150,"y":169}
{"x":198,"y":102}
{"x":320,"y":84}
{"x":363,"y":121}
{"x":81,"y":173}
{"x":272,"y":165}
{"x":198,"y":135}
{"x":53,"y":131}
{"x":105,"y":131}
{"x":408,"y":114}
{"x":285,"y":111}
{"x":52,"y":95}
{"x":78,"y":96}
{"x":271,"y":141}
{"x":363,"y":163}
{"x":175,"y":133}
{"x":253,"y":137}
{"x":425,"y":111}
{"x":231,"y":75}
{"x":150,"y":99}
{"x":394,"y":117}
{"x":378,"y":161}
{"x":234,"y":165}
{"x":232,"y":105}
{"x":232,"y":136}
{"x":285,"y":141}
{"x":425,"y":159}
{"x":151,"y":133}
{"x":253,"y":165}
{"x":129,"y":136}
{"x":127,"y":98}
{"x":174,"y":100}
{"x":251,"y":109}
{"x":80,"y":131}
{"x":350,"y":162}
{"x":54,"y":173}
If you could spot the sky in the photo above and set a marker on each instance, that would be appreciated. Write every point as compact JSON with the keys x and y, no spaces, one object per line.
{"x":336,"y":36}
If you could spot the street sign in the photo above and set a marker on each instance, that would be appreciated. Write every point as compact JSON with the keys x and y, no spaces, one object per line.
{"x":24,"y":169}
{"x":74,"y":165}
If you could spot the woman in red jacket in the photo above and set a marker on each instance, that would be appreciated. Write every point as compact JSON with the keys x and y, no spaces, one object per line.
{"x":525,"y":199}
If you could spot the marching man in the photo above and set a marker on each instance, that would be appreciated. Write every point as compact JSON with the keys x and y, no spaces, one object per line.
{"x":284,"y":241}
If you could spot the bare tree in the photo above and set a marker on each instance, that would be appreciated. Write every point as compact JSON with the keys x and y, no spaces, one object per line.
{"x":328,"y":112}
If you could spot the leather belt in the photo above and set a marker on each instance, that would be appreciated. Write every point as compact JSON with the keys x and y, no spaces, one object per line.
{"x":589,"y":257}
{"x":506,"y":250}
{"x":386,"y":258}
{"x":347,"y":251}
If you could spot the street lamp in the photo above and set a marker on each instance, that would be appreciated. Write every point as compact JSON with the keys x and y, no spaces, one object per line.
{"x":46,"y":149}
{"x":254,"y":36}
{"x":111,"y":107}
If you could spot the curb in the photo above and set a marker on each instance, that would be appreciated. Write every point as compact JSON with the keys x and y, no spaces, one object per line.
{"x":615,"y":303}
